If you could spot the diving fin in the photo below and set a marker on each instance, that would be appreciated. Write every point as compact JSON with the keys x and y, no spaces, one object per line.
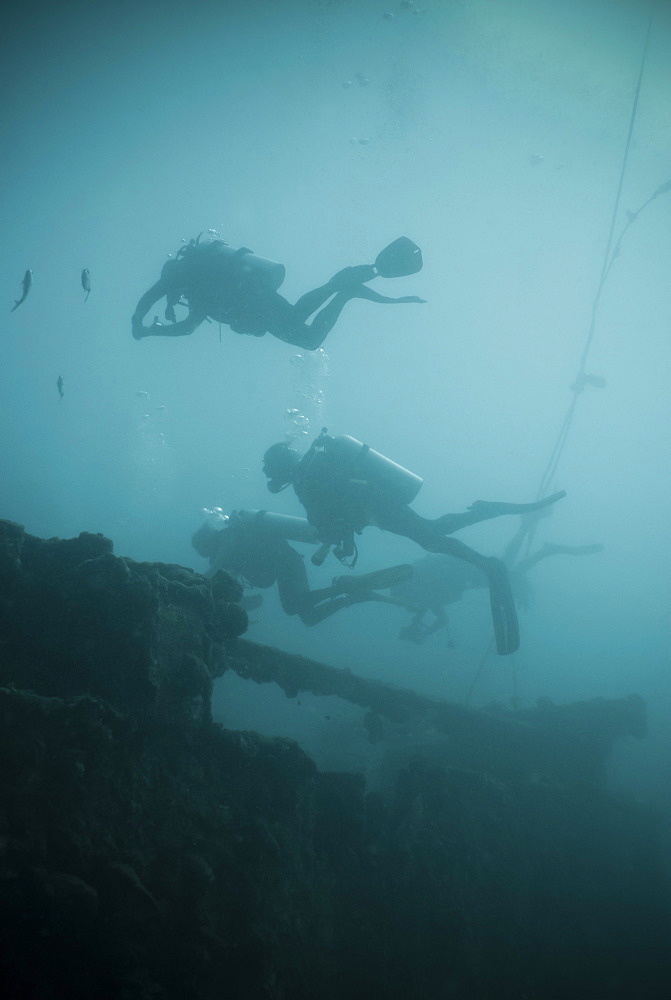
{"x":495,"y":508}
{"x":400,"y":258}
{"x":504,"y":616}
{"x":380,"y":579}
{"x":550,"y":549}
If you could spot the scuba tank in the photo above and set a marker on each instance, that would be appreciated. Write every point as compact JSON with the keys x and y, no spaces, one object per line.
{"x":293,"y":529}
{"x":355,"y":461}
{"x":242,"y":260}
{"x":359,"y":461}
{"x":247,"y":262}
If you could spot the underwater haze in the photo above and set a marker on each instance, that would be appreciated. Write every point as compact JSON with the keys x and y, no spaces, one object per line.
{"x":492,"y":133}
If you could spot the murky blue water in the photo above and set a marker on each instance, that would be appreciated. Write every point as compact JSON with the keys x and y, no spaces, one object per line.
{"x":490,"y":133}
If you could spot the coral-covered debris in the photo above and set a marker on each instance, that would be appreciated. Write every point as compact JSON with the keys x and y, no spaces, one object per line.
{"x":148,"y":854}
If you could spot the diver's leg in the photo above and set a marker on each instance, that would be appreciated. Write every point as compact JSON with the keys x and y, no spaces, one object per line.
{"x":347,"y":280}
{"x":380,"y":579}
{"x":550,"y":549}
{"x":326,"y":318}
{"x":402,"y":520}
{"x":315,"y":615}
{"x":315,"y":333}
{"x":285,"y":323}
{"x":292,"y":584}
{"x":289,"y":323}
{"x":485,"y":510}
{"x":312,"y":301}
{"x":313,"y":606}
{"x":362,"y":586}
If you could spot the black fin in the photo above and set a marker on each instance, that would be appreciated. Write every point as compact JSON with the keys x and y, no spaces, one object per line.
{"x":380,"y":579}
{"x":504,"y":616}
{"x":400,"y":258}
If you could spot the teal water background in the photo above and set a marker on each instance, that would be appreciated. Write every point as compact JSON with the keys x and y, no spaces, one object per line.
{"x":495,"y":133}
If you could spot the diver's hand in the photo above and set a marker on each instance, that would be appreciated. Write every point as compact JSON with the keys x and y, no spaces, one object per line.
{"x":140,"y":330}
{"x":137,"y":328}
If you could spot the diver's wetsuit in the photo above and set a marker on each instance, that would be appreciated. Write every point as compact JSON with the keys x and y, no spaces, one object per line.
{"x":339,"y":506}
{"x":218,"y":286}
{"x":261,"y":558}
{"x":435,"y":583}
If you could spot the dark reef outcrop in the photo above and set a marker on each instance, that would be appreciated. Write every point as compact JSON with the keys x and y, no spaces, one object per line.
{"x":146,"y":852}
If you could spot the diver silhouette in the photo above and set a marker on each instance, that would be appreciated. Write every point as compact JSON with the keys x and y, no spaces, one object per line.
{"x":345,"y":487}
{"x":239,"y":289}
{"x":253,"y":546}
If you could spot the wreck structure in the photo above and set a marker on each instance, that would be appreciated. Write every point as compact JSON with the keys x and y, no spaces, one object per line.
{"x":147,"y":852}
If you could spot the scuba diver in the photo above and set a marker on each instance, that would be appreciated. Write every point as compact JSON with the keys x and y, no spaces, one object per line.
{"x":436,"y":582}
{"x":345,"y":486}
{"x":253,"y":546}
{"x":238,"y":288}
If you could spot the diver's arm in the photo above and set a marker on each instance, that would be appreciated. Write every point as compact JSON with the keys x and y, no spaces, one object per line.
{"x":155,"y":293}
{"x":181,"y":329}
{"x":164,"y":287}
{"x":289,"y":323}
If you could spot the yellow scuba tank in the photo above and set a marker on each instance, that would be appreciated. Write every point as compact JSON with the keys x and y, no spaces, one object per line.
{"x":359,"y":461}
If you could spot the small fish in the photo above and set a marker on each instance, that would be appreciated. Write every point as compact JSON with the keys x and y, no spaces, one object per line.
{"x":25,"y":284}
{"x":86,"y":282}
{"x":60,"y":385}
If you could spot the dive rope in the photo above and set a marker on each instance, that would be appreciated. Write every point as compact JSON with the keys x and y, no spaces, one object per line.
{"x":608,"y":259}
{"x":582,"y":378}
